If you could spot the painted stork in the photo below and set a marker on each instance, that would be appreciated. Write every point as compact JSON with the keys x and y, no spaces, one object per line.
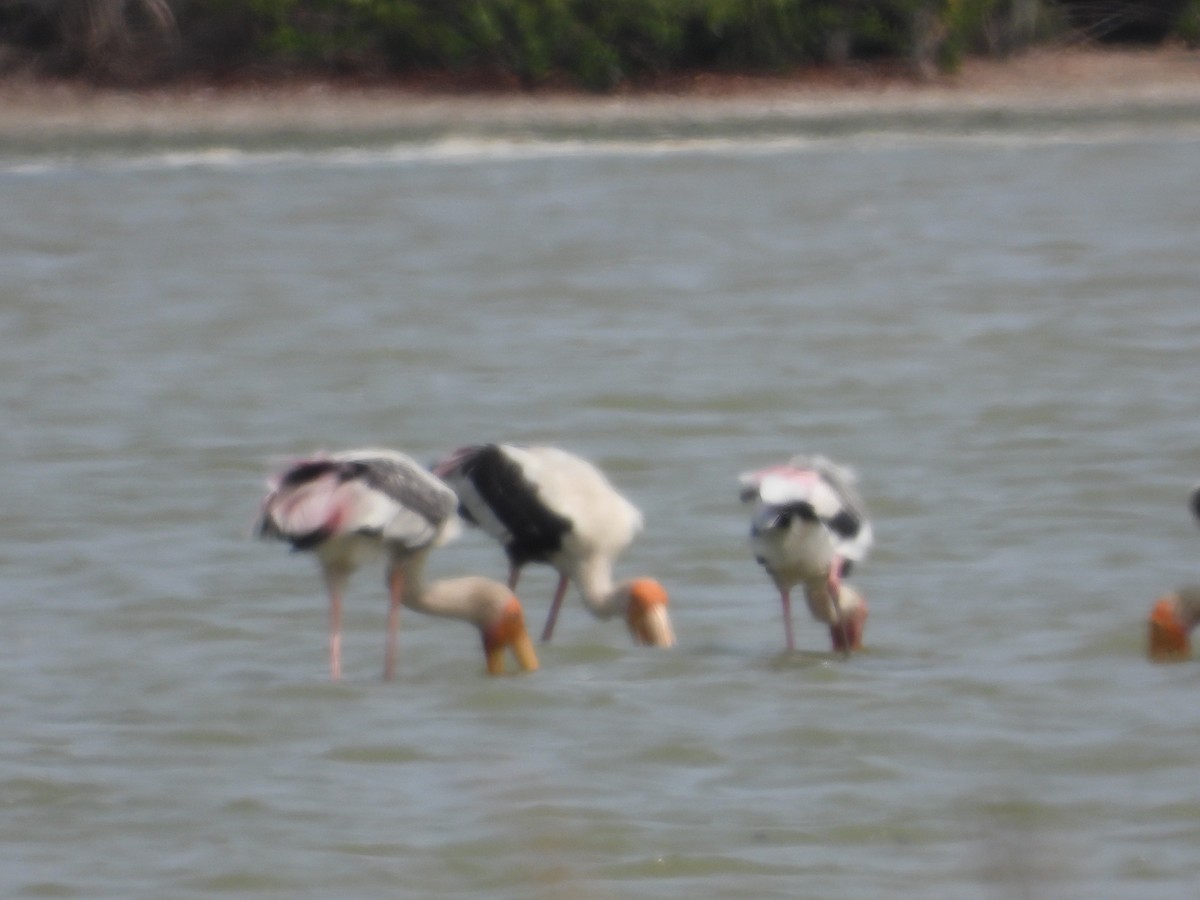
{"x":352,"y":507}
{"x":1175,"y":615}
{"x":1172,"y":620}
{"x":545,"y":505}
{"x":808,"y":527}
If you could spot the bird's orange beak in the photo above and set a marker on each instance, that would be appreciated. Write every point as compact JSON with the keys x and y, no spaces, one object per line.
{"x":1167,"y":634}
{"x":647,"y":616}
{"x":508,"y":633}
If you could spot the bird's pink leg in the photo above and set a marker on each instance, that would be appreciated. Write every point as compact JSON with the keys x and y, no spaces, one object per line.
{"x":785,"y":598}
{"x":335,"y":633}
{"x":395,"y":596}
{"x":555,"y":605}
{"x":335,"y":583}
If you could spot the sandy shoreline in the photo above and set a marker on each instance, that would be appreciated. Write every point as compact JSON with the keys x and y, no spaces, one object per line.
{"x":1101,"y":80}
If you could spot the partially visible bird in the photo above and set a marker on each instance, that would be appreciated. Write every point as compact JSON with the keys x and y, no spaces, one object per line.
{"x":1172,"y":620}
{"x":545,"y":505}
{"x":809,"y":527}
{"x":352,"y":507}
{"x":1175,"y":615}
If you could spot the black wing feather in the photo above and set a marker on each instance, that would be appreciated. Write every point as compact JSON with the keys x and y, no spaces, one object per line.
{"x":536,"y":531}
{"x":410,"y":486}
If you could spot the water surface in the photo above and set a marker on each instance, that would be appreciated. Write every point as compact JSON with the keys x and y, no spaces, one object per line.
{"x":998,"y":329}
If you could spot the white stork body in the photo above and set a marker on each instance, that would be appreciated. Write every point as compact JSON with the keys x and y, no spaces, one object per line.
{"x":546,"y":505}
{"x":808,"y":528}
{"x":352,"y":507}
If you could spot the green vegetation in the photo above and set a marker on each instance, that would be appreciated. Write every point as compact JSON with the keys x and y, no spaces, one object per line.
{"x":595,"y":44}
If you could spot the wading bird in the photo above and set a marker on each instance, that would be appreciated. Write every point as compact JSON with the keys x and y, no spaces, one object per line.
{"x":1175,"y":615}
{"x":352,"y":507}
{"x":808,"y":527}
{"x":1172,"y":620}
{"x":545,"y":505}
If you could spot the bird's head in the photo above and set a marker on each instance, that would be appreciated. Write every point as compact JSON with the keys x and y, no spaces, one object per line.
{"x":646,"y":614}
{"x":506,"y":631}
{"x":1170,"y":625}
{"x":848,"y":634}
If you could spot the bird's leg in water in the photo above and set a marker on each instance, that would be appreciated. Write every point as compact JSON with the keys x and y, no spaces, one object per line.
{"x":335,"y":584}
{"x":555,"y":605}
{"x":785,"y":598}
{"x":395,"y":596}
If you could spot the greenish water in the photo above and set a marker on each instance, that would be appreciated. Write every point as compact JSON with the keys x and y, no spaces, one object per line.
{"x":997,"y":329}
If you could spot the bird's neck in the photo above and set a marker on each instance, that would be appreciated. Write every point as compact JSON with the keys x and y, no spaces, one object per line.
{"x":471,"y":599}
{"x":818,"y":584}
{"x":820,"y":599}
{"x":411,"y":571}
{"x":825,"y":606}
{"x":594,"y":579}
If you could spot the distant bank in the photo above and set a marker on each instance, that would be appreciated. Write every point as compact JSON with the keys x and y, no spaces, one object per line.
{"x":1102,"y":80}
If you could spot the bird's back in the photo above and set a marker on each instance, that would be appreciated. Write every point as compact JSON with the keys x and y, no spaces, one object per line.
{"x":540,"y":501}
{"x":810,"y":490}
{"x":372,"y":494}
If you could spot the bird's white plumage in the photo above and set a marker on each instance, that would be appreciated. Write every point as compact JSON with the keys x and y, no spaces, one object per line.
{"x":794,"y":485}
{"x":604,"y":521}
{"x":828,"y":488}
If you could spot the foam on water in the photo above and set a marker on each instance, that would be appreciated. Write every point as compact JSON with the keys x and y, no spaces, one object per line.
{"x":747,"y":140}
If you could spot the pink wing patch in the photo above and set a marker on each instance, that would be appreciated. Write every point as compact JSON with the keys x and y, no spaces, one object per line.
{"x":788,"y":473}
{"x":323,"y":504}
